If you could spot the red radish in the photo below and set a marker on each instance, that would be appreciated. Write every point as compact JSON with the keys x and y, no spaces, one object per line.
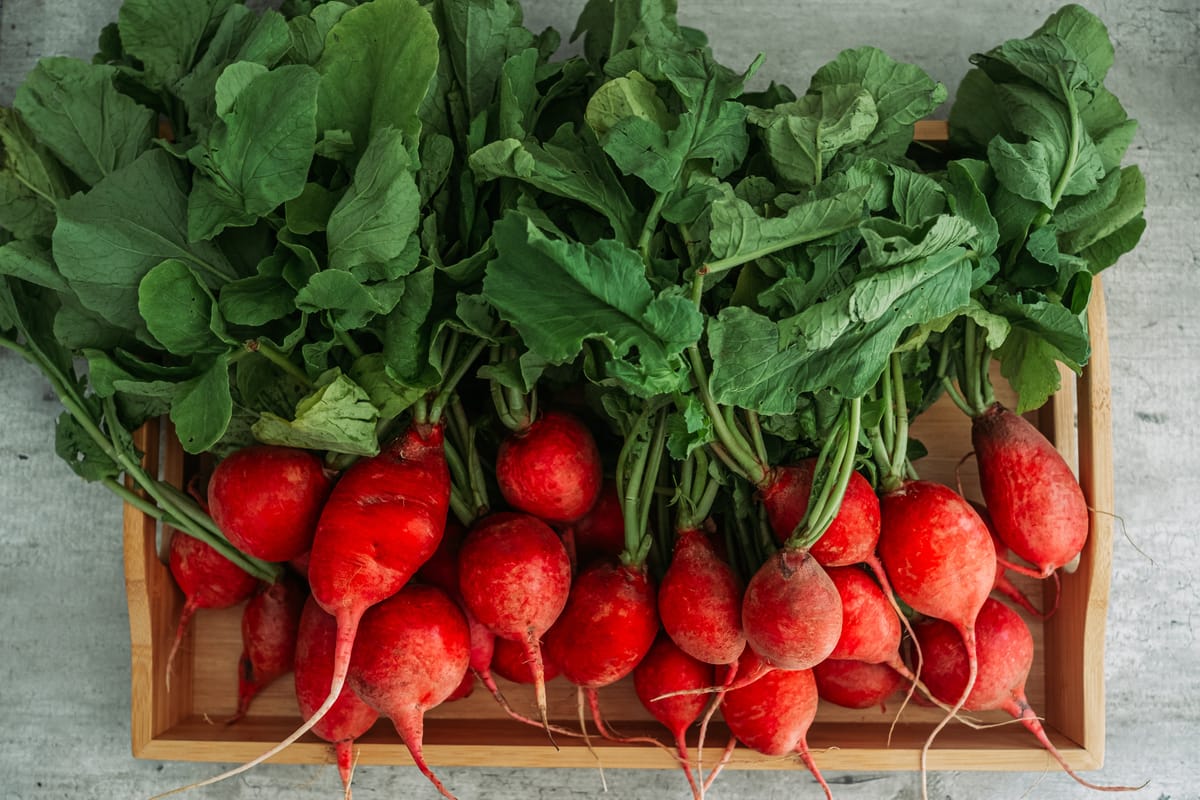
{"x":791,"y":612}
{"x":856,"y":684}
{"x":1007,"y":588}
{"x":269,"y":624}
{"x":700,"y":602}
{"x":413,"y":652}
{"x":207,"y":579}
{"x":600,"y":533}
{"x":266,"y":500}
{"x":515,"y":578}
{"x":609,"y":623}
{"x":667,"y":669}
{"x":550,"y":469}
{"x":773,"y":715}
{"x":382,"y":521}
{"x":850,"y":538}
{"x":1005,"y":656}
{"x":441,"y":569}
{"x":1034,"y":500}
{"x":300,"y":564}
{"x":939,"y":557}
{"x":349,"y":717}
{"x":510,"y":662}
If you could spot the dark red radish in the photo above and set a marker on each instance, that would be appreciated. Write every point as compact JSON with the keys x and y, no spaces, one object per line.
{"x":515,"y":577}
{"x":607,"y":627}
{"x":791,"y":612}
{"x":939,"y":557}
{"x":772,"y":715}
{"x":441,"y":570}
{"x":269,"y":625}
{"x":349,"y":717}
{"x":700,"y":601}
{"x":600,"y":533}
{"x":667,"y":669}
{"x":850,"y":538}
{"x":207,"y":580}
{"x":412,"y":654}
{"x":856,"y":684}
{"x":510,"y":661}
{"x":1005,"y":655}
{"x":550,"y":469}
{"x":1032,"y":496}
{"x":266,"y":500}
{"x":382,"y":521}
{"x":300,"y":564}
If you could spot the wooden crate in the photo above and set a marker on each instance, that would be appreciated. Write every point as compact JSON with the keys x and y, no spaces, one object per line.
{"x":1066,"y":685}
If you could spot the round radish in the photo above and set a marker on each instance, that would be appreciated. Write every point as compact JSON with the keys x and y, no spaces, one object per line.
{"x":266,"y":500}
{"x":510,"y":661}
{"x":791,"y":613}
{"x":850,"y":538}
{"x":700,"y":601}
{"x":207,"y":580}
{"x":870,"y":629}
{"x":269,"y":624}
{"x":600,"y":533}
{"x":550,"y":469}
{"x":856,"y":684}
{"x":667,"y":669}
{"x":412,"y":654}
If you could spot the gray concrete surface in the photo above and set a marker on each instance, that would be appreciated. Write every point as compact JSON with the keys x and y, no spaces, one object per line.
{"x":64,"y":648}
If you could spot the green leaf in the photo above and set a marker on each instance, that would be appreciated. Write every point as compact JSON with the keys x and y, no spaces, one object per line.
{"x":108,"y":239}
{"x":309,"y":32}
{"x":1030,"y":364}
{"x":480,"y":35}
{"x":203,"y":407}
{"x":258,"y":156}
{"x":177,"y":309}
{"x":1064,"y":331}
{"x":31,"y":180}
{"x":378,"y":214}
{"x":338,"y":417}
{"x":309,"y":213}
{"x":355,"y":302}
{"x":519,"y":98}
{"x":889,"y":243}
{"x":916,"y":196}
{"x":968,"y":182}
{"x":165,"y":35}
{"x":801,"y":137}
{"x":1085,"y":36}
{"x":30,"y":262}
{"x":1104,"y":253}
{"x":561,"y":294}
{"x":409,"y":333}
{"x":624,"y":97}
{"x":376,"y":67}
{"x":1126,"y":206}
{"x":688,"y":428}
{"x":74,"y":109}
{"x":391,"y":397}
{"x":82,"y":453}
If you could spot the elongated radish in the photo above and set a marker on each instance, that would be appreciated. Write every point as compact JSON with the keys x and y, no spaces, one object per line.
{"x":666,"y":669}
{"x":270,"y":622}
{"x":515,"y":577}
{"x":551,"y":468}
{"x":414,"y":650}
{"x":772,"y":715}
{"x":700,"y":601}
{"x":1006,"y":587}
{"x":856,"y":684}
{"x":207,"y":580}
{"x":266,"y":500}
{"x":1005,"y":656}
{"x":1033,"y":498}
{"x":791,"y":612}
{"x":349,"y":717}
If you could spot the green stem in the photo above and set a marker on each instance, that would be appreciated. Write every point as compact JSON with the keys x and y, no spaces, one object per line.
{"x":348,"y":342}
{"x":746,"y":464}
{"x":134,"y":499}
{"x":648,"y":228}
{"x":956,"y":397}
{"x":900,"y":446}
{"x":272,"y":354}
{"x":450,"y":383}
{"x":653,"y":467}
{"x":756,"y":436}
{"x":830,"y":500}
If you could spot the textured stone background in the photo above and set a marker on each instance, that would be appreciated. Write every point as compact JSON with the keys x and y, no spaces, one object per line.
{"x":64,"y":650}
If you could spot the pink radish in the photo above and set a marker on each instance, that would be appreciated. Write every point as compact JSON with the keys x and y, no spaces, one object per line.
{"x":856,"y":684}
{"x":772,"y":715}
{"x":667,"y":669}
{"x":515,"y":578}
{"x":700,"y":601}
{"x":791,"y":612}
{"x":269,"y":625}
{"x":1005,"y":656}
{"x":1035,"y":503}
{"x":266,"y":500}
{"x":349,"y":717}
{"x":207,"y":580}
{"x":414,"y":650}
{"x":550,"y":469}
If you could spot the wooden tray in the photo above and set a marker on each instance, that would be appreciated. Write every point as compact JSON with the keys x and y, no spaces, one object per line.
{"x":1066,"y":685}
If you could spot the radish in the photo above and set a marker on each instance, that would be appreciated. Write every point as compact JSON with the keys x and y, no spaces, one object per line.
{"x":792,"y":613}
{"x":515,"y":577}
{"x":850,"y":538}
{"x":600,"y":533}
{"x":550,"y":468}
{"x":856,"y":684}
{"x":414,"y":650}
{"x":349,"y":717}
{"x":1005,"y":656}
{"x":667,"y":668}
{"x":207,"y":580}
{"x":269,"y":624}
{"x":266,"y":500}
{"x":510,"y":662}
{"x":772,"y":715}
{"x":1035,"y":503}
{"x":700,"y":601}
